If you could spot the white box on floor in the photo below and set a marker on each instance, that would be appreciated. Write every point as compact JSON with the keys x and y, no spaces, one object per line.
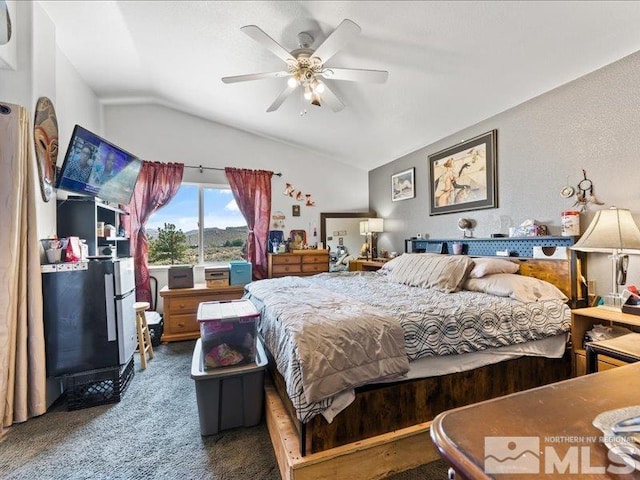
{"x":229,"y":397}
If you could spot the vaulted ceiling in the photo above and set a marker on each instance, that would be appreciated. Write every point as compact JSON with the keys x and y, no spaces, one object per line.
{"x":451,"y":64}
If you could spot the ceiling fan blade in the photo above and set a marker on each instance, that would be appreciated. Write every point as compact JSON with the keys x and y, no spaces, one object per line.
{"x":267,"y":42}
{"x":334,"y":42}
{"x":356,"y":75}
{"x":281,"y":98}
{"x":329,"y":98}
{"x":255,"y":76}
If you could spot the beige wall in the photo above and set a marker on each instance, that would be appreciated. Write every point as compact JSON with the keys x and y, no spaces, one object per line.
{"x":591,"y":123}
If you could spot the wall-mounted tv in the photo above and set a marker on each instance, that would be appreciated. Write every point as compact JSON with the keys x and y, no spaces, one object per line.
{"x":94,"y":166}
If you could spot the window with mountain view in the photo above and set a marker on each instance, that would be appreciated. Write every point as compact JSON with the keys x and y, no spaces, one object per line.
{"x":201,"y":225}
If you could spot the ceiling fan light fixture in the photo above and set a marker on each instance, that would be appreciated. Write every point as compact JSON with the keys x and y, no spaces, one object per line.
{"x":306,"y":66}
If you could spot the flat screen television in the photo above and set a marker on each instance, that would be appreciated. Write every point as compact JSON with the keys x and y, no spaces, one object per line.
{"x":93,"y":166}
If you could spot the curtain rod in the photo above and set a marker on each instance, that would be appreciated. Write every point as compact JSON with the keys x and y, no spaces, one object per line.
{"x":201,"y":168}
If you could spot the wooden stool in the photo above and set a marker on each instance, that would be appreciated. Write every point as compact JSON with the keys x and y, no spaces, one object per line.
{"x":144,"y":339}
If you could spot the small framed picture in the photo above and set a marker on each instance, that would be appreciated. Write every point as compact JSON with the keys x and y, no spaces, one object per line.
{"x":295,"y":210}
{"x":403,"y":185}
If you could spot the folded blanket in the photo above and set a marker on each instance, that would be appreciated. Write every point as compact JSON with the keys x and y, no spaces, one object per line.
{"x":337,"y":342}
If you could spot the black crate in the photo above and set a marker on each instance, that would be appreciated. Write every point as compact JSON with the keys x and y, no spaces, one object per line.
{"x":155,"y":323}
{"x":97,"y":387}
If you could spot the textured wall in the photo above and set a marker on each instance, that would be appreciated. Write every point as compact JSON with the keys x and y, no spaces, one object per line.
{"x":591,"y":123}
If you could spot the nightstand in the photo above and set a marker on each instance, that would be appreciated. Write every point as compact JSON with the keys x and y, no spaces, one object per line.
{"x":625,"y":348}
{"x":367,"y":265}
{"x":582,"y":320}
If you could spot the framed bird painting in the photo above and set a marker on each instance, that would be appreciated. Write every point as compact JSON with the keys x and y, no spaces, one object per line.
{"x":463,"y":177}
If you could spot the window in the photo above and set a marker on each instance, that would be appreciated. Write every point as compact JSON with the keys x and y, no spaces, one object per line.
{"x":201,"y":225}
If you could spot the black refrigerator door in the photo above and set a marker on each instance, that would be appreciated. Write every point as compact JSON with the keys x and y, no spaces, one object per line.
{"x":75,"y":321}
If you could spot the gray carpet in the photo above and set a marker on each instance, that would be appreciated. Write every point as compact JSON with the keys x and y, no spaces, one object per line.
{"x":152,"y":433}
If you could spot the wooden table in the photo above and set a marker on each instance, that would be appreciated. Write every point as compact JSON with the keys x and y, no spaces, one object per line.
{"x":558,"y":416}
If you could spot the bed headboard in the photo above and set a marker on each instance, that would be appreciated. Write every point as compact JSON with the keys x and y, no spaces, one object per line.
{"x":566,"y":274}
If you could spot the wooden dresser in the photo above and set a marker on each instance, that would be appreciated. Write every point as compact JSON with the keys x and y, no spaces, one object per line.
{"x":181,"y":307}
{"x":300,"y":262}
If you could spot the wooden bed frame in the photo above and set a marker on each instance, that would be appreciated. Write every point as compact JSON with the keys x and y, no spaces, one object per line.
{"x":386,"y":429}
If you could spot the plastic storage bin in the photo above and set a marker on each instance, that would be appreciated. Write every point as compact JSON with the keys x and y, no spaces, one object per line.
{"x":228,"y":397}
{"x":228,"y":332}
{"x":240,"y":272}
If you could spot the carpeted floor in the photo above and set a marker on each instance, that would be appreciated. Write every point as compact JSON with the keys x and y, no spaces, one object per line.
{"x":152,"y":433}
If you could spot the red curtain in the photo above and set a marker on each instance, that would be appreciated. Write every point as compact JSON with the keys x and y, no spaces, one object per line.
{"x":252,"y":191}
{"x":157,"y":184}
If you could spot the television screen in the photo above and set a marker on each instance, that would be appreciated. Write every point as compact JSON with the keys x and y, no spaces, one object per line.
{"x":94,"y":166}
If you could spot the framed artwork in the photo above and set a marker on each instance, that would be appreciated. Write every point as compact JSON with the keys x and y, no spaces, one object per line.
{"x":463,"y":177}
{"x":298,"y":238}
{"x":403,"y":185}
{"x":295,"y":210}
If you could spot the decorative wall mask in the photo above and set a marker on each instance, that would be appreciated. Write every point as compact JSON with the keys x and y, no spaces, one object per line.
{"x":5,"y":23}
{"x":45,"y":137}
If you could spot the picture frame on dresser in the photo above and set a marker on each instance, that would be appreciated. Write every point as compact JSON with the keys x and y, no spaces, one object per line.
{"x":464,"y":177}
{"x":403,"y":185}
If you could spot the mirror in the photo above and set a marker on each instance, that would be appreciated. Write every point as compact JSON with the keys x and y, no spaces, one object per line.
{"x":341,"y":231}
{"x":5,"y":23}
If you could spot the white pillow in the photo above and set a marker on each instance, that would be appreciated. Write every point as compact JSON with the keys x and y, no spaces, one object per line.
{"x":444,"y":273}
{"x":490,"y":266}
{"x":518,"y":287}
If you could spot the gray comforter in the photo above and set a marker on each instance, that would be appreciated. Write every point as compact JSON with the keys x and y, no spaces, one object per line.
{"x":432,"y":323}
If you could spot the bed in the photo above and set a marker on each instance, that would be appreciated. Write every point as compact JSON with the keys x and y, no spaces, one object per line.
{"x":497,"y":358}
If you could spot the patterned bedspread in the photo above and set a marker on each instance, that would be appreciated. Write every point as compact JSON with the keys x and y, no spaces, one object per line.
{"x":434,"y":323}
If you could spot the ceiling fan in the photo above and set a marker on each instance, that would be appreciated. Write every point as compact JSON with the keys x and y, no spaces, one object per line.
{"x":306,"y":67}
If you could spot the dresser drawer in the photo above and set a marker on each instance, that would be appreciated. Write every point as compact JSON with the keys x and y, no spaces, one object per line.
{"x":183,"y":305}
{"x":285,"y":259}
{"x":286,"y":269}
{"x":182,"y":324}
{"x":315,"y":259}
{"x":315,"y":267}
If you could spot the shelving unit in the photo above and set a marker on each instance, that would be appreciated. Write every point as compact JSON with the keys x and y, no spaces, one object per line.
{"x":79,"y":216}
{"x":521,"y":247}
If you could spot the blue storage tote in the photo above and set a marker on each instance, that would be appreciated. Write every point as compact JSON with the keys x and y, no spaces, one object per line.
{"x":239,"y":272}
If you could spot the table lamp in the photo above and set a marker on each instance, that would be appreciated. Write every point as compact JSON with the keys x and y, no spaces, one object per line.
{"x":376,"y":225}
{"x":612,"y":231}
{"x":364,"y":230}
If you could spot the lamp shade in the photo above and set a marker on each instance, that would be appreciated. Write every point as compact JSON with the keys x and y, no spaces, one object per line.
{"x":376,"y":225}
{"x":364,"y":227}
{"x":612,"y":229}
